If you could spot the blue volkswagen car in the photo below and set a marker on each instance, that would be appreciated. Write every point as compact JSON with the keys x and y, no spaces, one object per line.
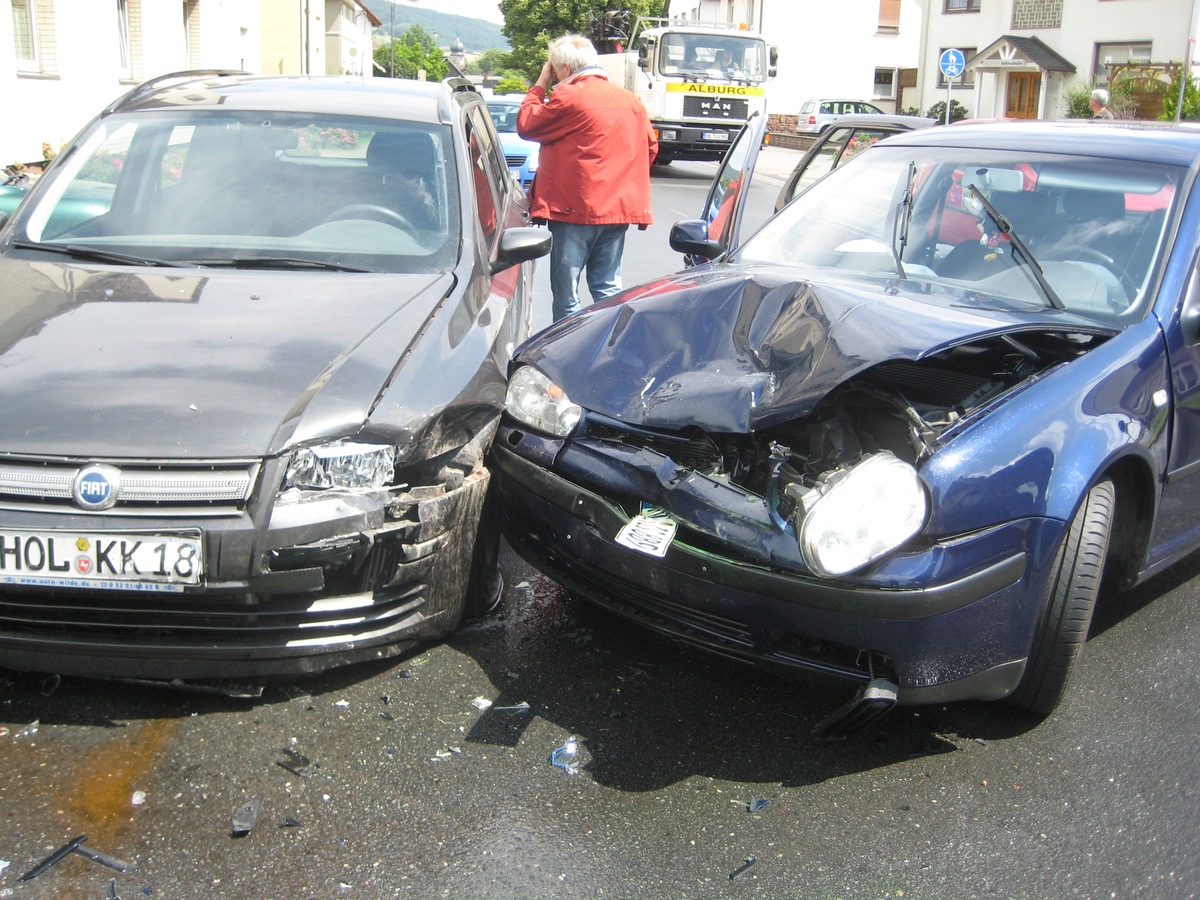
{"x":901,"y":435}
{"x":520,"y":154}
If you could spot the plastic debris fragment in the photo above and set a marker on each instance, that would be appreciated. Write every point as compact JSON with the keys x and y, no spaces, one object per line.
{"x":289,"y":822}
{"x":30,"y":729}
{"x":745,"y":867}
{"x":138,"y":798}
{"x":110,"y":890}
{"x":54,"y":857}
{"x":297,"y":763}
{"x":481,"y":703}
{"x":97,"y":856}
{"x":245,"y":817}
{"x":50,"y":685}
{"x":523,"y":706}
{"x":757,"y":804}
{"x":567,"y":756}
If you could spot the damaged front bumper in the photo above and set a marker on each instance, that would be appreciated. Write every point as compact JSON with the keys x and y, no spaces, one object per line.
{"x":944,"y":621}
{"x":313,"y":585}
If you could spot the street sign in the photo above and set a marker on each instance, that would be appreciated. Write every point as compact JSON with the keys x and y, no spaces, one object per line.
{"x":952,"y":62}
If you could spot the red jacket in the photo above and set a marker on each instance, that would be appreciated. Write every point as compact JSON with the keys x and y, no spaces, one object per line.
{"x":597,"y":147}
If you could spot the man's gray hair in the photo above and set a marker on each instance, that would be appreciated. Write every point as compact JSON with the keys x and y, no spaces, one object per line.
{"x":1100,"y":95}
{"x":573,"y":51}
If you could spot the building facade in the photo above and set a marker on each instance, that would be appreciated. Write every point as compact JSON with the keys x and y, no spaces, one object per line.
{"x":1023,"y":56}
{"x":61,"y":61}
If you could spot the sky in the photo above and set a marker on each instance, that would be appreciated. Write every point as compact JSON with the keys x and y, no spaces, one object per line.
{"x":474,"y":9}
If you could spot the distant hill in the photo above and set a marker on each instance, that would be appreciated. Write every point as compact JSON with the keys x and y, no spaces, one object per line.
{"x":477,"y":35}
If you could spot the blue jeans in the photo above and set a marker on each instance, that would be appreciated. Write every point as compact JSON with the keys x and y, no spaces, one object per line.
{"x":598,"y":248}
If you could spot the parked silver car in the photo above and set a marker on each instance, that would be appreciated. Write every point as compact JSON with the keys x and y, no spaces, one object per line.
{"x":817,"y":115}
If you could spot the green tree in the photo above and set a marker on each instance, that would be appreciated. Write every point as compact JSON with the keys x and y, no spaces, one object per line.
{"x":1191,"y":100}
{"x":511,"y":84}
{"x":489,"y":62}
{"x":530,"y":25}
{"x":406,"y":57}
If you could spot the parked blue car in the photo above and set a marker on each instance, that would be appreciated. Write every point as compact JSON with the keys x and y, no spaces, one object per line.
{"x":900,"y":435}
{"x":520,"y":154}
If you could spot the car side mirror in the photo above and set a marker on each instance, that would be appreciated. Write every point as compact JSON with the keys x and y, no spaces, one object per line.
{"x":518,"y":245}
{"x":690,"y":237}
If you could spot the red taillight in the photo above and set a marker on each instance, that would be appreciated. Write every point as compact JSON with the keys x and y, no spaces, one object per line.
{"x":812,"y":120}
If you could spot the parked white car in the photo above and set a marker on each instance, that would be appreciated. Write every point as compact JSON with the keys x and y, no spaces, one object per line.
{"x":817,"y":115}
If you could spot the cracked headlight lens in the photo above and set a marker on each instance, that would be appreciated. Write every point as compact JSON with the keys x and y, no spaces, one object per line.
{"x":342,"y":464}
{"x":540,"y":403}
{"x":861,"y":515}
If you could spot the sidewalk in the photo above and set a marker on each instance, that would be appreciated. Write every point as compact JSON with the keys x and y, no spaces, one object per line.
{"x":776,"y":162}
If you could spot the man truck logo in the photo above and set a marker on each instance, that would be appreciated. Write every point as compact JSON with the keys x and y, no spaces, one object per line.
{"x":95,"y":487}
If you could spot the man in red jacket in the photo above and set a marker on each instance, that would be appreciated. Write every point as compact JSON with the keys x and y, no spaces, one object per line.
{"x":593,"y":178}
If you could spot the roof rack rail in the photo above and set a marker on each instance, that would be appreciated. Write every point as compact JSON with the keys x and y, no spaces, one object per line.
{"x":147,"y":86}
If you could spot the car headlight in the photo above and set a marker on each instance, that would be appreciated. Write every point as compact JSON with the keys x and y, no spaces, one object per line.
{"x":540,"y":403}
{"x":861,"y":515}
{"x":342,"y":464}
{"x":532,"y":160}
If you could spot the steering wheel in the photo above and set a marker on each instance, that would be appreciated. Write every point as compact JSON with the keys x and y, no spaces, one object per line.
{"x":371,"y":211}
{"x":1080,"y":253}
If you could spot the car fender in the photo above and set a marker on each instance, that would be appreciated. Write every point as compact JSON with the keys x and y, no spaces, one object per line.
{"x":1084,"y":417}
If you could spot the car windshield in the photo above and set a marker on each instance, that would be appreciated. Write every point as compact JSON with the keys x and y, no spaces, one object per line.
{"x":504,"y":116}
{"x":1014,"y":229}
{"x":254,"y":189}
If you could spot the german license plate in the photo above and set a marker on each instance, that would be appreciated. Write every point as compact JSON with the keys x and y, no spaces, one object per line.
{"x":650,"y":534}
{"x":101,"y":560}
{"x":714,"y":136}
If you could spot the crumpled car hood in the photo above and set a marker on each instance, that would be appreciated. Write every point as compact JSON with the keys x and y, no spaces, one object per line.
{"x":103,"y":363}
{"x":741,"y":349}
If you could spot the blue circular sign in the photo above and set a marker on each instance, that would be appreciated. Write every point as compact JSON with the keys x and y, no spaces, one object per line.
{"x":952,"y":63}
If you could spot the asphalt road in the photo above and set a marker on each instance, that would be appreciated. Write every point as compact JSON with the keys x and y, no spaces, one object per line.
{"x":432,"y":775}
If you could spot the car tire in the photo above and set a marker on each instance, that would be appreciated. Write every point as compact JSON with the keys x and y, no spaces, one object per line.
{"x":1070,"y":601}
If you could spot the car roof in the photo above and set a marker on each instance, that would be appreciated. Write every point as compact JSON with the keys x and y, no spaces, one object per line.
{"x":1140,"y":141}
{"x":392,"y":98}
{"x":875,"y":120}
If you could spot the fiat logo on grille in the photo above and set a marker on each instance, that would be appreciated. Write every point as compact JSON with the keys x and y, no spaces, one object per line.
{"x":95,"y":487}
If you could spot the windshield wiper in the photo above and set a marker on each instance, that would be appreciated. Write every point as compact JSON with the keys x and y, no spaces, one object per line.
{"x":279,"y":262}
{"x":903,"y":218}
{"x":77,"y":251}
{"x":1015,"y":239}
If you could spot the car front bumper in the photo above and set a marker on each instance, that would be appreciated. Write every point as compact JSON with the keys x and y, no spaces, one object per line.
{"x":289,"y":590}
{"x":952,"y":621}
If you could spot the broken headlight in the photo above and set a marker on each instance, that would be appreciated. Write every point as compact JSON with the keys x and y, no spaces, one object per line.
{"x":859,"y":514}
{"x":342,"y":464}
{"x":540,"y":403}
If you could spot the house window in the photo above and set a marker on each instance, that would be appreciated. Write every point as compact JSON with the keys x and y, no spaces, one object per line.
{"x":885,"y":84}
{"x":956,"y":6}
{"x":889,"y":16}
{"x":967,"y":78}
{"x":25,"y":41}
{"x":126,"y":55}
{"x":1110,"y":53}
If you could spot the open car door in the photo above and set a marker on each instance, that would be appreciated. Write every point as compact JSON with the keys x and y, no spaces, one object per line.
{"x":717,"y":230}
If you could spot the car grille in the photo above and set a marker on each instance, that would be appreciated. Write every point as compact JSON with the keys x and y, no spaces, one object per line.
{"x":515,"y":162}
{"x":31,"y":484}
{"x":716,"y":107}
{"x":157,"y":622}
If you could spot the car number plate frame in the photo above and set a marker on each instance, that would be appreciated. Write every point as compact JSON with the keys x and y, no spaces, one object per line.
{"x":714,"y":136}
{"x":102,"y":560}
{"x":649,"y":534}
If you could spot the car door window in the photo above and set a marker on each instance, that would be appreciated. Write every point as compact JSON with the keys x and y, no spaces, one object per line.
{"x":490,"y":188}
